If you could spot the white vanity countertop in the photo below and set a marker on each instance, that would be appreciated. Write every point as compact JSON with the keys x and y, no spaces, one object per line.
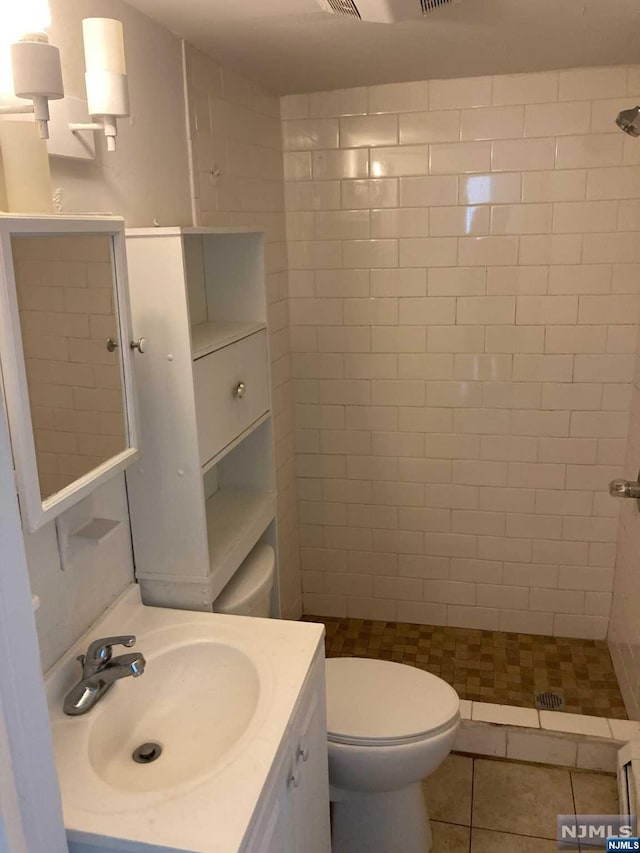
{"x":212,"y":812}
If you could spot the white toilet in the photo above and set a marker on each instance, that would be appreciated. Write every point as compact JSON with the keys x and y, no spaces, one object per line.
{"x":248,"y":593}
{"x":389,"y":726}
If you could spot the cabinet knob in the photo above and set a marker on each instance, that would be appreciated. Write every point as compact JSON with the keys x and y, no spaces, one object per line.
{"x":140,"y":345}
{"x":112,"y":344}
{"x":240,"y":390}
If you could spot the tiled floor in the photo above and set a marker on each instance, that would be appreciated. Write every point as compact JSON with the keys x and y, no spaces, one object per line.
{"x":489,"y":666}
{"x":480,"y":805}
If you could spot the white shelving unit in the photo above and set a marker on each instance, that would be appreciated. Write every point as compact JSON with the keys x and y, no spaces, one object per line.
{"x":203,"y":494}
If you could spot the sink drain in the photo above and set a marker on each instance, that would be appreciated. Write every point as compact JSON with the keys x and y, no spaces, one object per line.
{"x":146,"y":753}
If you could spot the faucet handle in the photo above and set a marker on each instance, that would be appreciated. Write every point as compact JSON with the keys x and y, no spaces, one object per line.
{"x":100,"y":651}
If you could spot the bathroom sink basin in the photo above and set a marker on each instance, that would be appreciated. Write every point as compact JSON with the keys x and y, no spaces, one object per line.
{"x":194,"y":701}
{"x":204,"y":693}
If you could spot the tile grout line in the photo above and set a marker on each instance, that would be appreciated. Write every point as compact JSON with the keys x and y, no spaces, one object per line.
{"x":573,"y":793}
{"x":473,"y":781}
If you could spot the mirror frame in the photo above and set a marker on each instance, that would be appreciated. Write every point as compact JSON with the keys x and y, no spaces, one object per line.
{"x":13,"y":376}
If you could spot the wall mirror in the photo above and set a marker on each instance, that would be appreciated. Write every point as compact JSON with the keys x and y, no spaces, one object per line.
{"x":65,"y":356}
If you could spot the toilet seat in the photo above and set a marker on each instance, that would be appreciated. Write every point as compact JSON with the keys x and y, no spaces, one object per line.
{"x":382,"y":703}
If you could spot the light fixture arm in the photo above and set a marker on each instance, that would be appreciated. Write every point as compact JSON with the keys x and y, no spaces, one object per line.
{"x":107,"y":127}
{"x":14,"y":111}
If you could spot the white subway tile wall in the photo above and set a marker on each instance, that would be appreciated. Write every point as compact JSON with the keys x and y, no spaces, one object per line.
{"x":236,"y":148}
{"x":465,"y":293}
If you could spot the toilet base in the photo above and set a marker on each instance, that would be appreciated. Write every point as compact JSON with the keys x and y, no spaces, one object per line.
{"x":387,"y":822}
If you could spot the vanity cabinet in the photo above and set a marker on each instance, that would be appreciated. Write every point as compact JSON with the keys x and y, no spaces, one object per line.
{"x":292,"y":815}
{"x":203,"y":493}
{"x":245,"y":769}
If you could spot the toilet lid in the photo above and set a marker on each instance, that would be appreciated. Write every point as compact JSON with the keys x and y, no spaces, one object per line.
{"x":384,"y":701}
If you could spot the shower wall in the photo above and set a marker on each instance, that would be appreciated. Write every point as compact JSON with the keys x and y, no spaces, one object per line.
{"x":624,"y":628}
{"x":464,"y":297}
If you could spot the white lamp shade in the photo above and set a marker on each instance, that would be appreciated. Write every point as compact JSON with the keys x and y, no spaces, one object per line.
{"x":107,"y":94}
{"x":106,"y":73}
{"x":103,"y":45}
{"x":36,"y":70}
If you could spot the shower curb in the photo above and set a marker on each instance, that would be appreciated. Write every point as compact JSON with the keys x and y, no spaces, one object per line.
{"x":543,"y":737}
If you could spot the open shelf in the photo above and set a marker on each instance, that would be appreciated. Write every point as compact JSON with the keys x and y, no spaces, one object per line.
{"x":209,"y":337}
{"x":236,"y":519}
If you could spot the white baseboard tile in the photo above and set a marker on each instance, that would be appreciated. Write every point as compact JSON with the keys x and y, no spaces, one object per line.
{"x":482,"y":739}
{"x":542,"y":748}
{"x":624,"y":730}
{"x":594,"y":755}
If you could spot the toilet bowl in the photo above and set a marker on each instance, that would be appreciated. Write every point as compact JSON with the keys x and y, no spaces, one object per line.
{"x":389,"y":726}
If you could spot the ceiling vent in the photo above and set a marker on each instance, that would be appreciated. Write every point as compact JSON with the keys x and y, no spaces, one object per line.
{"x":384,"y":11}
{"x":346,"y":8}
{"x":430,"y":5}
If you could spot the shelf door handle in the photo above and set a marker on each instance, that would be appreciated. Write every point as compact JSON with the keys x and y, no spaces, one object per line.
{"x":303,"y":750}
{"x":294,"y":780}
{"x":140,"y":344}
{"x":240,"y":390}
{"x":112,"y":344}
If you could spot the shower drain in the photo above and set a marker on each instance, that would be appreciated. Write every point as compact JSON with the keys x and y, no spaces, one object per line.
{"x":549,"y":700}
{"x":146,"y":753}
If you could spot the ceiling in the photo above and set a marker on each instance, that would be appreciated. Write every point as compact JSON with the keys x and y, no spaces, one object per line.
{"x":293,"y":46}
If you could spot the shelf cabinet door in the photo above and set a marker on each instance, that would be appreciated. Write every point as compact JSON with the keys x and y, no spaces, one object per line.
{"x":232,"y":391}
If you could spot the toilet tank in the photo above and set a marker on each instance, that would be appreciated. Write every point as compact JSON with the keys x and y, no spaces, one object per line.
{"x":248,"y":593}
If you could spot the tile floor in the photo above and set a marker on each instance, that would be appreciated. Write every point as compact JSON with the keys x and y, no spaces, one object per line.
{"x":489,"y":666}
{"x":480,"y":805}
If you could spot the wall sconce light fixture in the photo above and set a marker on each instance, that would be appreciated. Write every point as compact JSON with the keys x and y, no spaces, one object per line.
{"x":37,"y":77}
{"x":105,"y":77}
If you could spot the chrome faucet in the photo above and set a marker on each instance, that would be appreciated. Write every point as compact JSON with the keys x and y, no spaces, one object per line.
{"x":99,"y":672}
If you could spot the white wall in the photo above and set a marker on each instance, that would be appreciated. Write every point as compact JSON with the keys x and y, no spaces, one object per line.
{"x":465,"y":291}
{"x":29,"y":798}
{"x":236,"y":143}
{"x":145,"y":180}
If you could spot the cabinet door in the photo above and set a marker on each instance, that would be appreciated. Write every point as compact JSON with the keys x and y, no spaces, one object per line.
{"x":273,"y":832}
{"x":309,"y":787}
{"x":73,"y":423}
{"x":277,"y":836}
{"x":294,"y":817}
{"x":213,"y":381}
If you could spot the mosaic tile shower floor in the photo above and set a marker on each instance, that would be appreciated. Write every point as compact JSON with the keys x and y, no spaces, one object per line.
{"x":489,"y":666}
